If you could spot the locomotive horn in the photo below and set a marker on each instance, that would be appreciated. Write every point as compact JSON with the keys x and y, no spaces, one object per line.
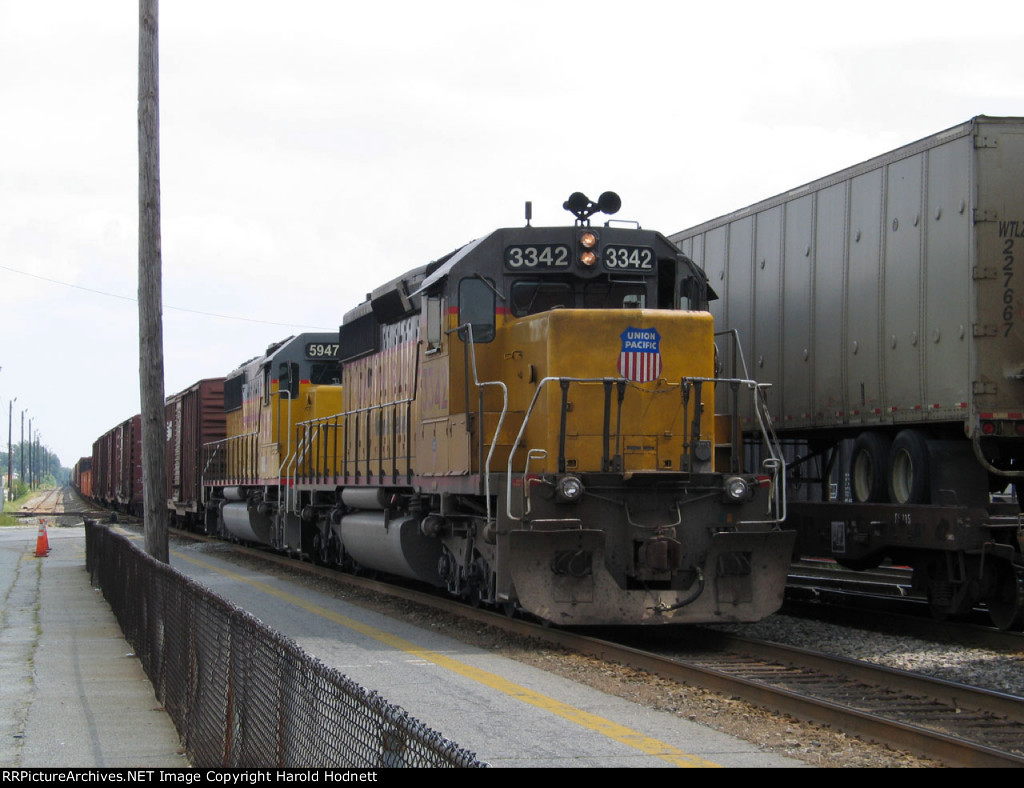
{"x":580,"y":206}
{"x":609,"y":203}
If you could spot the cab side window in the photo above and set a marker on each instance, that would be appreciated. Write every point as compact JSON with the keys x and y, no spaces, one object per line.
{"x":476,"y":307}
{"x":692,"y":296}
{"x":435,"y":329}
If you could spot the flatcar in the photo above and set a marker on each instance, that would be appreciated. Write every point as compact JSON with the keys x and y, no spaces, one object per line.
{"x":527,"y":422}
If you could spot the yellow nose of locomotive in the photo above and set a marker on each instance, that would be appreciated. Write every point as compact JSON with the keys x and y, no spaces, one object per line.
{"x":626,"y":403}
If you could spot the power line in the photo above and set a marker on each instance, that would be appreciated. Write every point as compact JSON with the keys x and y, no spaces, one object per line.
{"x":165,"y":306}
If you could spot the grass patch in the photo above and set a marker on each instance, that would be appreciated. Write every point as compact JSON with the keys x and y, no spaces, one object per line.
{"x":14,"y":506}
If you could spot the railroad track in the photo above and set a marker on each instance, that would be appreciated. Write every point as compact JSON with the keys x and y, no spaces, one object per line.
{"x":956,"y":724}
{"x":45,"y":503}
{"x":59,"y":502}
{"x":950,"y":722}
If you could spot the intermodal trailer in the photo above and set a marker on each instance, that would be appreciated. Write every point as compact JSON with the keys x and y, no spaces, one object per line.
{"x":886,"y":300}
{"x":883,"y":303}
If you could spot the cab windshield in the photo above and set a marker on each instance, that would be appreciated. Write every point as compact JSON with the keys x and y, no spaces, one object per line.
{"x":529,"y":297}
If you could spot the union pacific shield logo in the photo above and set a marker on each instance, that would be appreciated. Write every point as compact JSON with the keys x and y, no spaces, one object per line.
{"x":640,"y":357}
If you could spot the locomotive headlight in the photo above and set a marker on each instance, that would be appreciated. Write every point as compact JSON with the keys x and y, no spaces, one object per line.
{"x":737,"y":489}
{"x":569,"y":489}
{"x":588,"y":244}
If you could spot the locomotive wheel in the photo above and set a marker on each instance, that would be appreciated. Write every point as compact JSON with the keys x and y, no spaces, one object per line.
{"x":477,"y":578}
{"x":1006,"y":604}
{"x":334,"y":552}
{"x":908,"y":468}
{"x":868,"y":468}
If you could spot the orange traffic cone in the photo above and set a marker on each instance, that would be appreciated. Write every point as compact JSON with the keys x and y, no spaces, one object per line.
{"x":42,"y":543}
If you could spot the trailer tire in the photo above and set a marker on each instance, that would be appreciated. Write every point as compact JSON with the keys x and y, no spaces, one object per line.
{"x":908,"y":468}
{"x":868,"y":468}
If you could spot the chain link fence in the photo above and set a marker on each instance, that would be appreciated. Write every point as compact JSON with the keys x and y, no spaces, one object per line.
{"x":240,"y":694}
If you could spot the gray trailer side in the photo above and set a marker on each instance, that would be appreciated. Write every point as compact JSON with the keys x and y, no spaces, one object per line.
{"x":884,"y":305}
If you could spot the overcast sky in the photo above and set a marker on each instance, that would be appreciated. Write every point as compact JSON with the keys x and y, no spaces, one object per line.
{"x":312,"y":150}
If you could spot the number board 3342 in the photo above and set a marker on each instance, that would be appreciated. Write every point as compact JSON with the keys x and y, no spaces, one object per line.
{"x":540,"y":257}
{"x":628,"y":258}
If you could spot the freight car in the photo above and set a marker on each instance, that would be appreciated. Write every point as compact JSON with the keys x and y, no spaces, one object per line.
{"x":194,"y":418}
{"x":81,"y":477}
{"x":883,"y":304}
{"x":527,"y":422}
{"x":117,"y":467}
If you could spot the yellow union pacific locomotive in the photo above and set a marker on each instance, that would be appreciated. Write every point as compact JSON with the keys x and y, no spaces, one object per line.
{"x":528,"y":422}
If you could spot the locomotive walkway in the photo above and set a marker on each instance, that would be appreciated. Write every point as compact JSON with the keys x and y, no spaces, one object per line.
{"x":72,"y":694}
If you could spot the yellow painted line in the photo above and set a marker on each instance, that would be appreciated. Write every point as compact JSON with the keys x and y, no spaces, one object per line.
{"x":592,"y":722}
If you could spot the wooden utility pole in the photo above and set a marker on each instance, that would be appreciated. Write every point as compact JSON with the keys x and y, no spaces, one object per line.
{"x":151,"y":339}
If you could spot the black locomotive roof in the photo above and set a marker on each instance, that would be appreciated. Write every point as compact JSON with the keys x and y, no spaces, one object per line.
{"x":392,"y":299}
{"x":453,"y":260}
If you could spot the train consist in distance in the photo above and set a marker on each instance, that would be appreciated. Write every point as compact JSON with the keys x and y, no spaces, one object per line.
{"x":885,"y":306}
{"x":527,"y":422}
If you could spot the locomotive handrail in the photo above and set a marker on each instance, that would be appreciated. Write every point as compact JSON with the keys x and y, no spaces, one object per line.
{"x":532,"y":454}
{"x":522,"y":429}
{"x":248,"y":468}
{"x":737,"y":348}
{"x":774,"y":464}
{"x":288,"y":446}
{"x":338,"y":420}
{"x":303,"y":444}
{"x":501,"y":419}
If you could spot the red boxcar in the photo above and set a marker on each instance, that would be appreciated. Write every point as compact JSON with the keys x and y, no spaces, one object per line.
{"x":117,"y":467}
{"x":82,"y":477}
{"x":194,"y":416}
{"x":102,"y":475}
